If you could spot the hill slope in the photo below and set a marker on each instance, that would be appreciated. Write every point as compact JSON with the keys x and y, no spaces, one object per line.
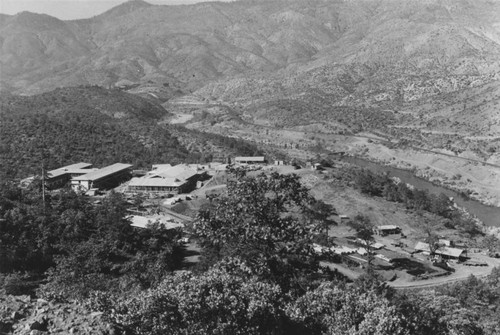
{"x":185,"y":47}
{"x":99,"y":126}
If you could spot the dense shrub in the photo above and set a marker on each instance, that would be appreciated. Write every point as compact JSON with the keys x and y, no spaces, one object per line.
{"x":85,"y":246}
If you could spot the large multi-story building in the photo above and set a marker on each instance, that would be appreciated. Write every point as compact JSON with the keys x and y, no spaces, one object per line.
{"x":105,"y":178}
{"x":165,"y":179}
{"x":59,"y":177}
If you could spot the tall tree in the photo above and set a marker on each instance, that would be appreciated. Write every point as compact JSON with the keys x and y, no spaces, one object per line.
{"x":263,"y":220}
{"x":429,"y":229}
{"x":320,"y":214}
{"x":363,"y":227}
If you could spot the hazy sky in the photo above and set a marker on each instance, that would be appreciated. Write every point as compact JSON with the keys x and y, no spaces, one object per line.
{"x":73,"y":9}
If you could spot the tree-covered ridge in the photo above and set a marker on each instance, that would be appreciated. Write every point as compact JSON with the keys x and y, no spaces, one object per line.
{"x":114,"y":102}
{"x":89,"y":136}
{"x":98,"y":126}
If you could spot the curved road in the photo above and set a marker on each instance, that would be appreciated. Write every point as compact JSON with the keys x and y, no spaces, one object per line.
{"x":462,"y":272}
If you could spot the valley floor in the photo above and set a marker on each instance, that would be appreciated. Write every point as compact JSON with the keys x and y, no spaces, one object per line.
{"x":465,"y":172}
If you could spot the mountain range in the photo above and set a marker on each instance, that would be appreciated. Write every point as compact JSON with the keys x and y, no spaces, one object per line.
{"x":173,"y":50}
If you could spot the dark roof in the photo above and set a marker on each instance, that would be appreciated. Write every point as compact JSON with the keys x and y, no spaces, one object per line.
{"x":388,"y":227}
{"x":251,"y":159}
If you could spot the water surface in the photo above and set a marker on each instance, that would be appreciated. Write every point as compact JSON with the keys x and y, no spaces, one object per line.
{"x":490,"y":215}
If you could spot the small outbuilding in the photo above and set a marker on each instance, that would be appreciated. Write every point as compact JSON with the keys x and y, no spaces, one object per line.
{"x":447,"y":243}
{"x":250,"y":160}
{"x":387,"y":230}
{"x":344,"y":218}
{"x":444,"y":251}
{"x":316,"y":166}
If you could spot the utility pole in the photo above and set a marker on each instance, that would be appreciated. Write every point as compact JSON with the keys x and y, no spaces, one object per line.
{"x":43,"y":185}
{"x":42,"y":156}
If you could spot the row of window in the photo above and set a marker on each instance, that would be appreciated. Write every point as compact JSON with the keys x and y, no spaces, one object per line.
{"x":153,"y":188}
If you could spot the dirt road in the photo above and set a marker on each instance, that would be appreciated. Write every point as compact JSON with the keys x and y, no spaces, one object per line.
{"x":182,"y":218}
{"x":462,"y":272}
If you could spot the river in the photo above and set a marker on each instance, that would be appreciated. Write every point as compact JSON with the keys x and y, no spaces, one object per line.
{"x":489,"y":215}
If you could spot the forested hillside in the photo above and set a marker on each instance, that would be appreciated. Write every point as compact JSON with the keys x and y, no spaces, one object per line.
{"x":98,"y":126}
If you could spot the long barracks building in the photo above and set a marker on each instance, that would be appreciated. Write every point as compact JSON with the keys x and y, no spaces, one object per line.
{"x":59,"y":177}
{"x":105,"y":178}
{"x":166,"y":180}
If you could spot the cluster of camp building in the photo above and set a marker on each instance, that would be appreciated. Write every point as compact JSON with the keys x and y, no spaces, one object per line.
{"x":168,"y":180}
{"x":354,"y":250}
{"x":163,"y":179}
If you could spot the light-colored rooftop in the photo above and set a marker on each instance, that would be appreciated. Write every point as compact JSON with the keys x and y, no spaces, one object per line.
{"x":104,"y":172}
{"x":156,"y":182}
{"x":80,"y":165}
{"x":180,"y":171}
{"x":74,"y":171}
{"x":341,"y":250}
{"x":73,"y":168}
{"x":161,"y":166}
{"x":447,"y":251}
